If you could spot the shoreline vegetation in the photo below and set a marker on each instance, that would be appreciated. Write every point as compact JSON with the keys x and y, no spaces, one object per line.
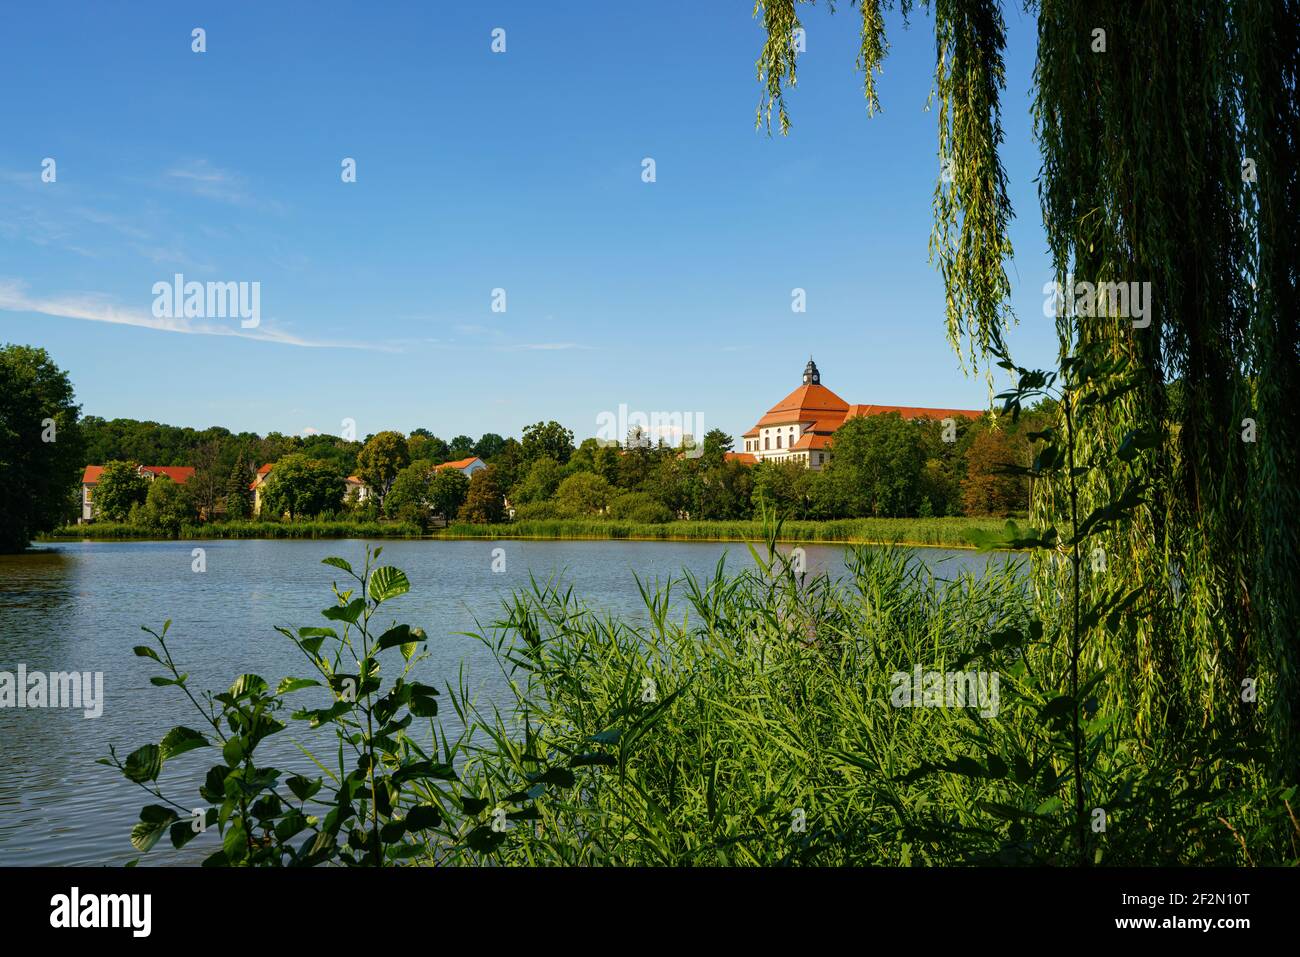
{"x":923,"y":532}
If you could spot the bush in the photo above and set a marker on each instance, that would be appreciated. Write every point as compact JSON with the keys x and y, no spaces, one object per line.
{"x":641,"y":508}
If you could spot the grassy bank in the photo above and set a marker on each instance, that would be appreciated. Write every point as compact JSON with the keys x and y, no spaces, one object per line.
{"x":947,"y":532}
{"x":108,"y":531}
{"x":950,"y":532}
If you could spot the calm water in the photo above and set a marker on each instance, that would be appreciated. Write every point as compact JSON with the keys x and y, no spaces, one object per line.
{"x":79,"y":607}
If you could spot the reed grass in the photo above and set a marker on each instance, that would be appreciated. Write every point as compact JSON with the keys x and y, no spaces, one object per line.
{"x":945,"y":532}
{"x":747,"y":719}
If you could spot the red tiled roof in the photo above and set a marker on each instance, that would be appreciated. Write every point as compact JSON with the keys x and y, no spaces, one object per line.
{"x":912,"y":412}
{"x":811,"y":440}
{"x":460,"y":463}
{"x":744,"y":457}
{"x":180,"y":474}
{"x":353,"y":480}
{"x":266,"y":468}
{"x":808,"y":403}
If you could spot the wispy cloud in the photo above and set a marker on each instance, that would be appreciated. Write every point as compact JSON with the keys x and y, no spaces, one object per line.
{"x":97,"y":307}
{"x":548,"y":346}
{"x":211,"y":182}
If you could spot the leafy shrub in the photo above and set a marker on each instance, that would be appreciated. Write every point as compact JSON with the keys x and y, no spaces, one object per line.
{"x":385,"y":800}
{"x":639,"y":507}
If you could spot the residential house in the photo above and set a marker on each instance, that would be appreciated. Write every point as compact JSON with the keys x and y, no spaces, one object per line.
{"x":468,"y":466}
{"x":90,"y":478}
{"x":259,"y":482}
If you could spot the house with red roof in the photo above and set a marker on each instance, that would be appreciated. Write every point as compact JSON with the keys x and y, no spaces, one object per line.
{"x":351,"y":484}
{"x":180,"y":474}
{"x":801,"y":426}
{"x":467,"y":466}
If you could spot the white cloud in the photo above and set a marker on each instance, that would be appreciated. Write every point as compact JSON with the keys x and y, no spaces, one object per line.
{"x":97,"y":307}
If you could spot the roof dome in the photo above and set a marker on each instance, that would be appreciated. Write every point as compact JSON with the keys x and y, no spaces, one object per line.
{"x":810,"y":374}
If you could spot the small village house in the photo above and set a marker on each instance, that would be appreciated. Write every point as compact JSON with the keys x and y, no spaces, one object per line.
{"x":180,"y":474}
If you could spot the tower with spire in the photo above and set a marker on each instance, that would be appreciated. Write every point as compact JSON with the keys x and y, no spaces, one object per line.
{"x":810,"y":374}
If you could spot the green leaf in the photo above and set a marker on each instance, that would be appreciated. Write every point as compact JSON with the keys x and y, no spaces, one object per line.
{"x":182,"y":832}
{"x":143,"y":764}
{"x":560,"y":777}
{"x":337,"y":563}
{"x":473,"y":805}
{"x":1056,"y":709}
{"x":303,"y":788}
{"x":388,"y":582}
{"x":144,"y":651}
{"x":349,"y":612}
{"x":317,"y":633}
{"x":422,"y":817}
{"x":397,"y":635}
{"x":235,"y":843}
{"x":1050,"y":806}
{"x":247,"y":685}
{"x":154,"y":820}
{"x":484,"y":839}
{"x":179,"y":740}
{"x":295,"y":684}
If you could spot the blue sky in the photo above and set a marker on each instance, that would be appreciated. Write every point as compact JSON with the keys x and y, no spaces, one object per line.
{"x":478,"y":171}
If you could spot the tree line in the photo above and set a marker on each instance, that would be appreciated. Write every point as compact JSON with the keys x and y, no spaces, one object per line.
{"x":881,"y":466}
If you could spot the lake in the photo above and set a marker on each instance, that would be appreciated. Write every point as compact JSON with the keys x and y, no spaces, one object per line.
{"x":79,"y":607}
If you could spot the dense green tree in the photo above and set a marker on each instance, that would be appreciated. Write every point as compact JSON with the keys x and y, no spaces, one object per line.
{"x":783,"y":487}
{"x":239,"y":498}
{"x":447,"y":492}
{"x":408,"y":499}
{"x":460,"y":447}
{"x":41,"y":448}
{"x":539,"y":484}
{"x":583,"y":493}
{"x":987,"y":489}
{"x":167,"y":506}
{"x":425,"y":445}
{"x":485,"y":500}
{"x":380,"y":460}
{"x":301,"y":487}
{"x":210,"y":478}
{"x":723,"y":491}
{"x":510,"y":463}
{"x":639,"y":507}
{"x":876,"y":463}
{"x":488,"y":446}
{"x":547,"y":439}
{"x":716,"y":444}
{"x":121,"y":487}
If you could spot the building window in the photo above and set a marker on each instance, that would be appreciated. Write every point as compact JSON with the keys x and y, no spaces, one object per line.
{"x":765,"y":443}
{"x":778,"y":440}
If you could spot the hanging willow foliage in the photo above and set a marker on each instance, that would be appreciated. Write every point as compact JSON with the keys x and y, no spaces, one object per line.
{"x":1169,"y":136}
